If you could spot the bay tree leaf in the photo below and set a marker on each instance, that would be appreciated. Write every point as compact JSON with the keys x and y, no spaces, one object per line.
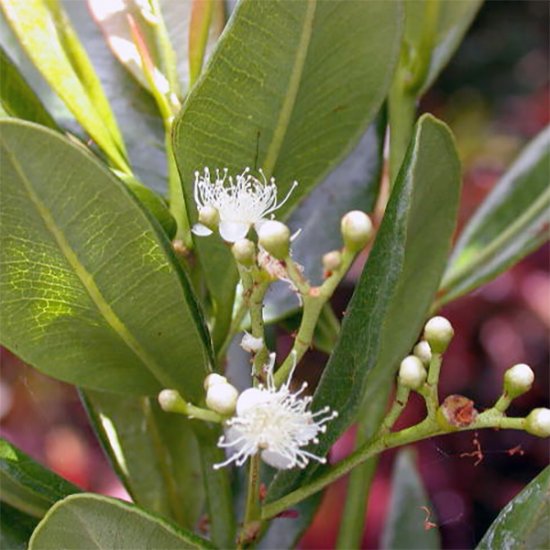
{"x":392,"y":298}
{"x":16,"y":528}
{"x":452,"y":20}
{"x":92,"y":292}
{"x":154,"y":454}
{"x":277,"y":94}
{"x":67,"y":68}
{"x":404,"y":528}
{"x":510,"y":223}
{"x":28,"y":486}
{"x":18,"y":98}
{"x":94,"y":521}
{"x":523,"y":522}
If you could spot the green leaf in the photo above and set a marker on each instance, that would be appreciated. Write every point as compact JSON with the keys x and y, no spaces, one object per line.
{"x":353,"y":185}
{"x":155,"y":454}
{"x":398,"y":283}
{"x":511,"y":222}
{"x":404,"y":529}
{"x":523,"y":522}
{"x":28,"y":486}
{"x":285,"y":99}
{"x":433,"y":44}
{"x":17,"y":97}
{"x":15,"y":528}
{"x":67,"y":68}
{"x":92,"y":292}
{"x":93,"y":521}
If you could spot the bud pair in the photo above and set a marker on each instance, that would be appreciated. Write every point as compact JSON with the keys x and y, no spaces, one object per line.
{"x":221,"y":396}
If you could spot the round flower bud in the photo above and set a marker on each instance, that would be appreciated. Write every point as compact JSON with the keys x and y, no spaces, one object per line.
{"x":244,"y":251}
{"x":332,"y":260}
{"x":212,"y":379}
{"x":274,"y":237}
{"x":222,"y":398}
{"x":438,"y":332}
{"x":538,"y":422}
{"x":423,"y":351}
{"x":412,"y":373}
{"x":518,"y":380}
{"x":356,"y":230}
{"x":209,"y":217}
{"x":169,"y":400}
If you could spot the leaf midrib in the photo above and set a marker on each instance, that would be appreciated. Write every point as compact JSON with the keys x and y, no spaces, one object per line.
{"x":85,"y":277}
{"x":289,"y":101}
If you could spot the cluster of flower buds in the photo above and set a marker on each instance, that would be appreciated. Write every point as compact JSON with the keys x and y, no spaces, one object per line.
{"x":221,"y":396}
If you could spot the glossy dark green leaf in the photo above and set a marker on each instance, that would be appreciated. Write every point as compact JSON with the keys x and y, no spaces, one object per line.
{"x":15,"y":528}
{"x":94,"y":521}
{"x":28,"y":486}
{"x":452,"y":20}
{"x":67,"y":68}
{"x":398,"y":283}
{"x":155,"y":454}
{"x":405,"y":528}
{"x":278,"y":95}
{"x":523,"y":522}
{"x":512,"y":221}
{"x":353,"y":185}
{"x":17,"y":97}
{"x":92,"y":292}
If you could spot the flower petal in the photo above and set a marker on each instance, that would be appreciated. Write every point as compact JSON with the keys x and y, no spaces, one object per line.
{"x":233,"y":231}
{"x":276,"y":460}
{"x":201,"y":230}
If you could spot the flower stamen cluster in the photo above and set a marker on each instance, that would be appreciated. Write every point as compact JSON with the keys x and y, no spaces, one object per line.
{"x":241,"y":202}
{"x":276,"y":423}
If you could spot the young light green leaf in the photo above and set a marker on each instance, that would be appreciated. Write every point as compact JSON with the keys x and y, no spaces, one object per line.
{"x":92,"y":292}
{"x":28,"y":486}
{"x":103,"y":523}
{"x":512,"y":221}
{"x":282,"y":98}
{"x":67,"y":68}
{"x":15,"y":528}
{"x":398,"y":283}
{"x":18,"y":98}
{"x":154,"y":454}
{"x":404,"y":528}
{"x":523,"y":522}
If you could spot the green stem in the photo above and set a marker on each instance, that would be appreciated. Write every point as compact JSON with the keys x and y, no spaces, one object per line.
{"x":425,"y":429}
{"x":235,"y":328}
{"x":504,"y":401}
{"x":399,"y":403}
{"x":252,"y":509}
{"x":314,"y":299}
{"x":352,"y":525}
{"x":171,"y":401}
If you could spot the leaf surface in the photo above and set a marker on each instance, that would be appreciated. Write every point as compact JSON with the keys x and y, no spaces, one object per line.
{"x":94,"y":521}
{"x":511,"y":222}
{"x":15,"y":528}
{"x":398,"y":283}
{"x":523,"y":522}
{"x":277,"y":94}
{"x":28,"y":486}
{"x":405,"y":527}
{"x":92,"y":292}
{"x":155,"y":454}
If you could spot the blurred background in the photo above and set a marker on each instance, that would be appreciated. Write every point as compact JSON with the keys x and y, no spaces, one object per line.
{"x":495,"y":96}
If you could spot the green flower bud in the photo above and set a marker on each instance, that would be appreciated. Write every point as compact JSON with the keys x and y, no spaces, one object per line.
{"x":538,"y":422}
{"x":274,"y":237}
{"x":356,"y":230}
{"x":332,"y":260}
{"x":518,"y":380}
{"x":423,"y":351}
{"x":244,"y":252}
{"x":438,"y":332}
{"x":209,"y":217}
{"x":412,"y":373}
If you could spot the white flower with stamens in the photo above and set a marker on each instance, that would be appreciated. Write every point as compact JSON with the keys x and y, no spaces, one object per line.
{"x":276,"y":423}
{"x":241,"y":202}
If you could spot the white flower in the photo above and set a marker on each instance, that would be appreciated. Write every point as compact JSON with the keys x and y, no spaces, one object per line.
{"x":240,"y":202}
{"x":276,"y":423}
